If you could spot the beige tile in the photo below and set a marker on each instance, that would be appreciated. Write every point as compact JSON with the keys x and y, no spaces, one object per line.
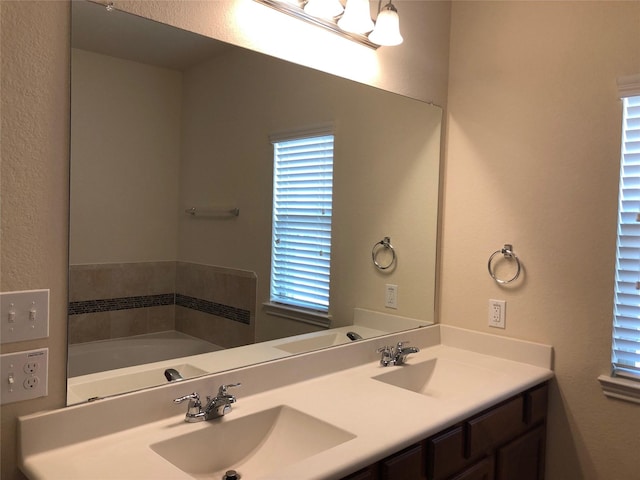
{"x":125,"y":323}
{"x":161,"y":319}
{"x":88,"y":327}
{"x":214,"y":329}
{"x":162,"y":279}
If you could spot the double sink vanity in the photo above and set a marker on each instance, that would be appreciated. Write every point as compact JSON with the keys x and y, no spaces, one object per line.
{"x":465,"y":405}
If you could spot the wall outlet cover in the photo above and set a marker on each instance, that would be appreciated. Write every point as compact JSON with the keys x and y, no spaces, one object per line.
{"x":24,"y":375}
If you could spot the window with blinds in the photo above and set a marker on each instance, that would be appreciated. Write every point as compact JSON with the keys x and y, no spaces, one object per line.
{"x":302,"y":205}
{"x":626,"y":325}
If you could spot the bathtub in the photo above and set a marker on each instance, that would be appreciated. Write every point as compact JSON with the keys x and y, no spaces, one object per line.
{"x":92,"y":357}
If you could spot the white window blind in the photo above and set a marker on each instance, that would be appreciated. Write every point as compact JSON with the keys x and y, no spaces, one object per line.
{"x":626,"y":325}
{"x":302,"y":206}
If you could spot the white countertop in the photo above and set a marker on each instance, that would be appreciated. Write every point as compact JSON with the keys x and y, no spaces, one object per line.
{"x":111,"y":439}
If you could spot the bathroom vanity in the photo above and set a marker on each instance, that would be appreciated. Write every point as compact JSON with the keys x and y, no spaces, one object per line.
{"x":467,"y":406}
{"x":503,"y":442}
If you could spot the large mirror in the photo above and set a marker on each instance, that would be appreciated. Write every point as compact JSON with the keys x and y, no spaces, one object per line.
{"x":165,"y":121}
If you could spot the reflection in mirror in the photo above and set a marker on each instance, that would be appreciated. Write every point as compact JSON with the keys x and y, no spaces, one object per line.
{"x":164,"y":120}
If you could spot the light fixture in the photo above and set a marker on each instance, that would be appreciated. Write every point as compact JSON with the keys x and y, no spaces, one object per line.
{"x":356,"y":17}
{"x":352,"y":22}
{"x":325,"y":9}
{"x":387,"y":31}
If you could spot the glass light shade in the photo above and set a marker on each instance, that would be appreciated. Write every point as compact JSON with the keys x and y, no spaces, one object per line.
{"x":356,"y":17}
{"x":387,"y":31}
{"x":326,"y":9}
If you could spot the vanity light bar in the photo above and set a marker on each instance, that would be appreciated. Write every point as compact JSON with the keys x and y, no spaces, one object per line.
{"x":299,"y":13}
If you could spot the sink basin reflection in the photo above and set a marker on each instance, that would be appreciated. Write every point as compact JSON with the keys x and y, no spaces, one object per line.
{"x":440,"y":378}
{"x":103,"y":387}
{"x":313,"y":343}
{"x":253,"y":445}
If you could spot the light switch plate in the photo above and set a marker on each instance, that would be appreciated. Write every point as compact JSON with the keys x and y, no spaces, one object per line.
{"x":24,"y":315}
{"x":24,"y":375}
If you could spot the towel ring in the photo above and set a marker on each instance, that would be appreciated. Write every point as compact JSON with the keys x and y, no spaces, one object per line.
{"x":386,"y":243}
{"x":507,"y":251}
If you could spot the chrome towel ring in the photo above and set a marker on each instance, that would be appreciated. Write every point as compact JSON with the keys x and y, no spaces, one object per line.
{"x":507,"y":251}
{"x":386,"y":244}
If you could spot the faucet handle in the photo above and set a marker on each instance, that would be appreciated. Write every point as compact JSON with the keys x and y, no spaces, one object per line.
{"x":387,"y":355}
{"x":194,"y":409}
{"x":222,"y":390}
{"x":192,"y":396}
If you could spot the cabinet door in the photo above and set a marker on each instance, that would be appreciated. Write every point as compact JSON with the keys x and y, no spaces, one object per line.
{"x":445,"y":454}
{"x":495,"y":427}
{"x":483,"y":470}
{"x":523,"y":458}
{"x":406,"y":465}
{"x":369,"y":473}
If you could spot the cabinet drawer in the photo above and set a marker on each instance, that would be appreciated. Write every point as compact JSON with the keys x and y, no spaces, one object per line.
{"x":483,"y":470}
{"x":369,"y":473}
{"x":535,"y":404}
{"x":404,"y":465}
{"x":494,"y":427}
{"x":445,"y":454}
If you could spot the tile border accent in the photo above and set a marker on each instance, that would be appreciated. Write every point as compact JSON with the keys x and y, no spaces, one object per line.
{"x":218,"y":309}
{"x":121,"y":303}
{"x":143,"y":301}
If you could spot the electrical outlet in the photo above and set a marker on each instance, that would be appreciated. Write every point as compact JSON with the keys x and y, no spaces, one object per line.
{"x":497,"y":313}
{"x":24,"y":315}
{"x":391,"y":296}
{"x":24,"y":375}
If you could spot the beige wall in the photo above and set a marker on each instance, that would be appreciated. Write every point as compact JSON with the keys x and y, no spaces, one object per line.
{"x":125,"y":154}
{"x":35,"y":132}
{"x":34,"y":189}
{"x":532,"y":159}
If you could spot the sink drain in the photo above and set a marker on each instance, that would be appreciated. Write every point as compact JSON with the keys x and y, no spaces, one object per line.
{"x":231,"y":475}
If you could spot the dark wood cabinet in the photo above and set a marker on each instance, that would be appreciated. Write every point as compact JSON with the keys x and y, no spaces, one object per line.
{"x":523,"y":458}
{"x":406,"y":464}
{"x":482,"y":470}
{"x":369,"y":473}
{"x":504,"y":442}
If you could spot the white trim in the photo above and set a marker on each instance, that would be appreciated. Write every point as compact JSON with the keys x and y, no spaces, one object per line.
{"x":629,"y":86}
{"x":620,"y":388}
{"x":319,"y":130}
{"x":311,"y":317}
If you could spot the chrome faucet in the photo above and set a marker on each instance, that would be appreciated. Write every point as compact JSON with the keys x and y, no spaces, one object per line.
{"x":395,"y":355}
{"x":216,"y":407}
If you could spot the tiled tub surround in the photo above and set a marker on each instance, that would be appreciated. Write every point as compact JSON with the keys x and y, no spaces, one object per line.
{"x":109,"y":301}
{"x":216,"y":304}
{"x":119,"y":448}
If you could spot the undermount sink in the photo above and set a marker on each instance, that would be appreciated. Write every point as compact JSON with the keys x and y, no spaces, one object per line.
{"x":313,"y":343}
{"x":254,"y":445}
{"x":439,"y":377}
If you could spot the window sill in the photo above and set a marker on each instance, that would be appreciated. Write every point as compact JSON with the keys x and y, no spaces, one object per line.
{"x":620,"y":388}
{"x":298,"y":314}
